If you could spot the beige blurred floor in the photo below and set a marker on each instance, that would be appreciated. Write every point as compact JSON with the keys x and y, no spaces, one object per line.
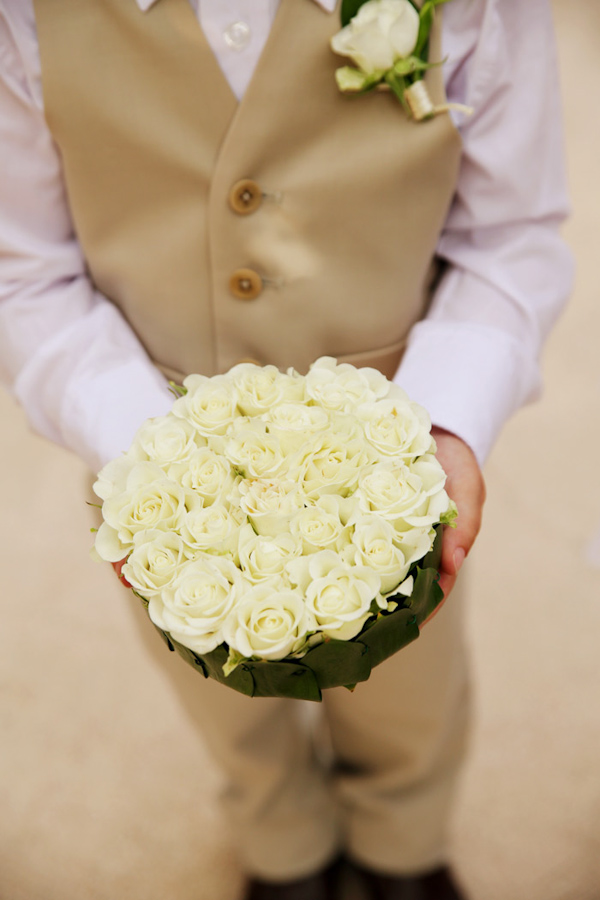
{"x":105,"y":791}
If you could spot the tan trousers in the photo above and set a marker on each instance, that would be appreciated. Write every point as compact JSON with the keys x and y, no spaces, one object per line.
{"x":383,"y":792}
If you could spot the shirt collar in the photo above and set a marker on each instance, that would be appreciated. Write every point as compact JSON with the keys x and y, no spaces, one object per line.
{"x":328,"y":5}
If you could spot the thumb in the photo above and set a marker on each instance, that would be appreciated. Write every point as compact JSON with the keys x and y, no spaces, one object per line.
{"x":466,"y":487}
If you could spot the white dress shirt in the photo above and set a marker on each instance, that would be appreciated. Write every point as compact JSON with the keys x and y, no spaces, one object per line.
{"x":86,"y":382}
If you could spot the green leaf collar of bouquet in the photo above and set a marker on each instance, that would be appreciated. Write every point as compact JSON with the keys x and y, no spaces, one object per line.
{"x":388,"y":40}
{"x":271,"y":519}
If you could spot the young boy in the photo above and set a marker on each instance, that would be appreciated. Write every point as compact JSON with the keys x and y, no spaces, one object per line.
{"x":185,"y":187}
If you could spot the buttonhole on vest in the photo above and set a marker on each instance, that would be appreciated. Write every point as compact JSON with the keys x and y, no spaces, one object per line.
{"x":274,"y":282}
{"x":273,"y":196}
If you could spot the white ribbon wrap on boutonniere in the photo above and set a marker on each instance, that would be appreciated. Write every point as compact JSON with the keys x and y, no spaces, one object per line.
{"x":388,"y":40}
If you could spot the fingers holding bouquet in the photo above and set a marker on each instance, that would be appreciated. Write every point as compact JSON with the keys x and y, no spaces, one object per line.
{"x":118,"y":566}
{"x":466,"y":487}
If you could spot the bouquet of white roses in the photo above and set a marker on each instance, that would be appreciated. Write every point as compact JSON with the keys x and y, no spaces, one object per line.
{"x":279,"y":528}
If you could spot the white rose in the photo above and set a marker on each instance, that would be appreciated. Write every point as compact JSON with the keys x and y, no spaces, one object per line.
{"x":429,"y":513}
{"x":432,"y":480}
{"x":414,"y":494}
{"x":269,"y":623}
{"x":346,"y":426}
{"x":264,"y":558}
{"x":343,"y":387}
{"x":346,"y":508}
{"x":195,"y":606}
{"x":391,"y":490}
{"x":333,"y":465}
{"x":268,"y":504}
{"x":155,"y":561}
{"x":206,"y":473}
{"x":150,"y":500}
{"x":382,"y":32}
{"x":373,"y":539}
{"x":319,"y":527}
{"x":340,"y":595}
{"x":254,"y":452}
{"x":291,"y":423}
{"x":397,"y":428}
{"x":112,"y":478}
{"x":430,"y":471}
{"x":165,"y":440}
{"x":213,"y":529}
{"x":260,"y":388}
{"x":210,"y":404}
{"x":415,"y":542}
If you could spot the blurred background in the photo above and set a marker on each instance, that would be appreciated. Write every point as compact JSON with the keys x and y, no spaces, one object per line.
{"x":105,"y":789}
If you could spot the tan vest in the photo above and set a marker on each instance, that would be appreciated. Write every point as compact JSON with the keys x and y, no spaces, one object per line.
{"x":351,"y":194}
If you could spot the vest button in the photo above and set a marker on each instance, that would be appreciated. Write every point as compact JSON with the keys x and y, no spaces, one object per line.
{"x":245,"y":284}
{"x":245,"y":197}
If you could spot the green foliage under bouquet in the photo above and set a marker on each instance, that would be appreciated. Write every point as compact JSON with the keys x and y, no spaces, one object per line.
{"x":281,"y":529}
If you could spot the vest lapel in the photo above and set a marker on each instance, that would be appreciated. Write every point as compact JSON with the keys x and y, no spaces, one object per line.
{"x":185,"y":23}
{"x":300,"y":27}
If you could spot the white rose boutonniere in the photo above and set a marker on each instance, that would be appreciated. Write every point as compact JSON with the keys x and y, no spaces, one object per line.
{"x":389,"y":42}
{"x":381,"y":33}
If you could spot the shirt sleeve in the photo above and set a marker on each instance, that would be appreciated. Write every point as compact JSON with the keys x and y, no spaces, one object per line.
{"x":474,"y":359}
{"x":66,"y":352}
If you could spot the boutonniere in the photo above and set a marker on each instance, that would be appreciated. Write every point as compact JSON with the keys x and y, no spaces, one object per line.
{"x":388,"y":40}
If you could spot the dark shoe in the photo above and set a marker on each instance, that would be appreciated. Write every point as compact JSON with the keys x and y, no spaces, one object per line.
{"x":436,"y":885}
{"x":321,"y":886}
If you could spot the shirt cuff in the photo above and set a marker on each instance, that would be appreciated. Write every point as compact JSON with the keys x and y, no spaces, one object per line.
{"x":102,"y":426}
{"x":91,"y":385}
{"x":470,"y":378}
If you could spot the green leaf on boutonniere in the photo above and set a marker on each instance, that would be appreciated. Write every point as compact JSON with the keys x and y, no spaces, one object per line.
{"x":354,"y":81}
{"x":398,"y":85}
{"x":412,"y":64}
{"x":426,"y":15}
{"x":349,"y":9}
